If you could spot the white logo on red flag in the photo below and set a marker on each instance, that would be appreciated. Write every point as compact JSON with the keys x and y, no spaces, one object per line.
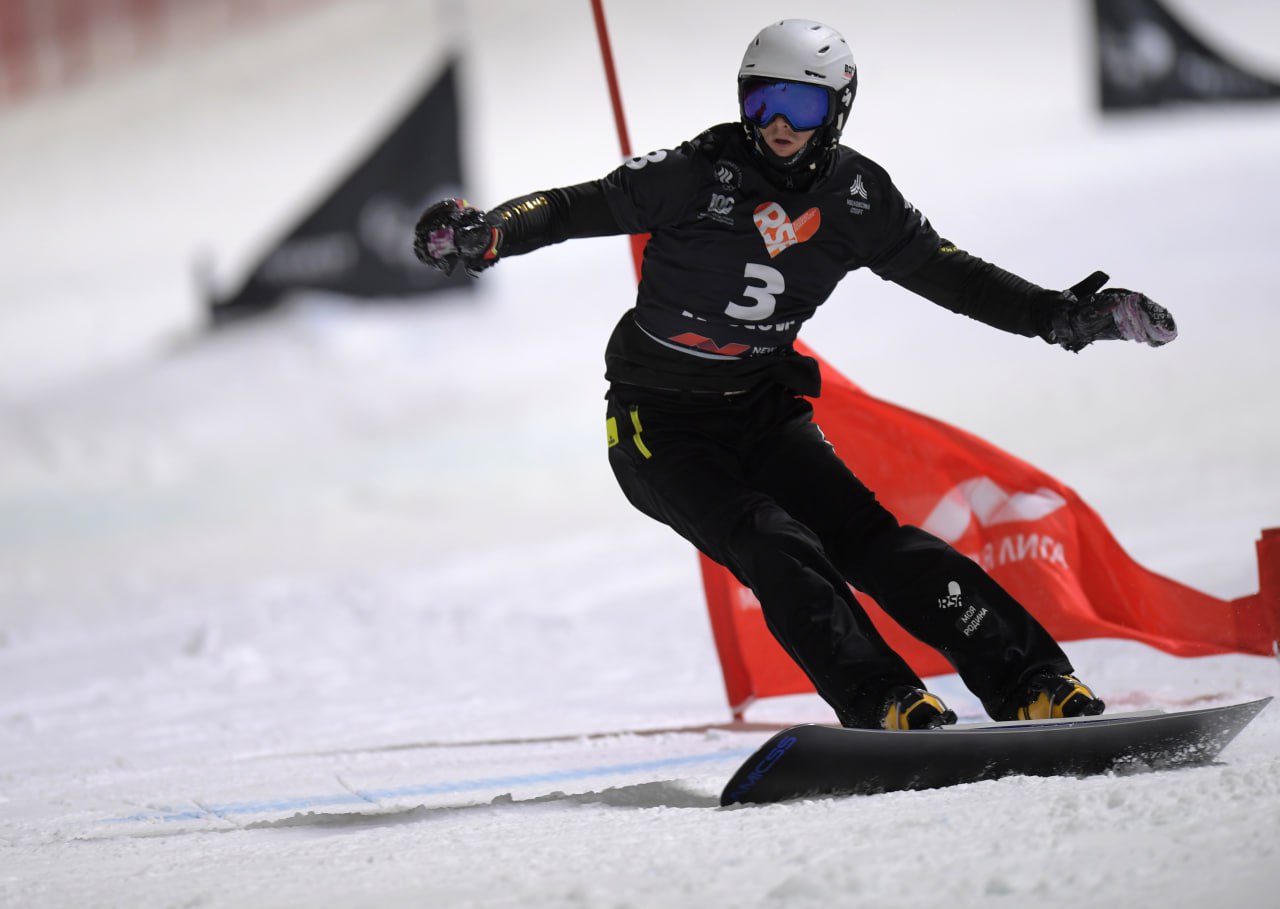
{"x":983,"y":500}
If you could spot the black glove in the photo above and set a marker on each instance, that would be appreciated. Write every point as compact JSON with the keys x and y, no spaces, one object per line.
{"x":450,"y":232}
{"x":1086,"y":313}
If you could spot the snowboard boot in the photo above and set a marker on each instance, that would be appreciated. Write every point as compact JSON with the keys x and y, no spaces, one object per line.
{"x":914,"y":708}
{"x":1047,"y":695}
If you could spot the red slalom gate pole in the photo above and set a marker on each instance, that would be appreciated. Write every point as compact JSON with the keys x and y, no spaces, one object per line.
{"x":738,"y":684}
{"x":611,"y":76}
{"x":619,"y":119}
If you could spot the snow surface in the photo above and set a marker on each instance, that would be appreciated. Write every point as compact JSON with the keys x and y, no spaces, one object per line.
{"x":344,"y":609}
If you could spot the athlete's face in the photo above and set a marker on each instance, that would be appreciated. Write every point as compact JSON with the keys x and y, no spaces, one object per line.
{"x":782,"y":140}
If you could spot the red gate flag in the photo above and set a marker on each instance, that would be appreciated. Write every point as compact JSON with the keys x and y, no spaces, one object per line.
{"x":1032,"y":533}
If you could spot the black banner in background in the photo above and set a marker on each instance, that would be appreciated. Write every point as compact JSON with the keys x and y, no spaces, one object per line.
{"x":358,"y":242}
{"x":1146,"y":58}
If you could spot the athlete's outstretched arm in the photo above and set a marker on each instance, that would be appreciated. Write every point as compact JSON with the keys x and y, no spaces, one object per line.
{"x":451,"y":231}
{"x":1073,"y":318}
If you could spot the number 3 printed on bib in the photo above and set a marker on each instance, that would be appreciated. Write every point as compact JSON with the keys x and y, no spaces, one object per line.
{"x":764,"y":296}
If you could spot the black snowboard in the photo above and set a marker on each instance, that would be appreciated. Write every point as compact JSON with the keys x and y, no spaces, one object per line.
{"x":814,"y":760}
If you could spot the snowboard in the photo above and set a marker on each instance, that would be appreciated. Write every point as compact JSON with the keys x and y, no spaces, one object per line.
{"x":814,"y":760}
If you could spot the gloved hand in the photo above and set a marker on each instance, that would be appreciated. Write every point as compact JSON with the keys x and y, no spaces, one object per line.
{"x":451,"y":231}
{"x":1086,"y":313}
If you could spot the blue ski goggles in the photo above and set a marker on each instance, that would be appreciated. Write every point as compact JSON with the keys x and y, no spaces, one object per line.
{"x":802,"y":105}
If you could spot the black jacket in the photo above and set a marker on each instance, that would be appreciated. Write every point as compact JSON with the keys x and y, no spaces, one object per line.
{"x":737,"y":261}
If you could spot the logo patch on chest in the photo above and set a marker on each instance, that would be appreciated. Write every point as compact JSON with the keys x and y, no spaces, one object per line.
{"x":779,"y":231}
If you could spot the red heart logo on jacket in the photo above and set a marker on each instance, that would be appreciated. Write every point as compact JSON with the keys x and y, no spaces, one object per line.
{"x":779,"y":231}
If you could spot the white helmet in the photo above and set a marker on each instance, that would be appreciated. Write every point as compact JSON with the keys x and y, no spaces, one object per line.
{"x":809,"y":53}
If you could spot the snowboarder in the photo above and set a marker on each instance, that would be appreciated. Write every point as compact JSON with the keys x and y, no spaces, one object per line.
{"x":753,"y":224}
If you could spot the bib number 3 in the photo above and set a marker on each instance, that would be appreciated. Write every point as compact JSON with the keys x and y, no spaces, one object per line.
{"x":764,"y":294}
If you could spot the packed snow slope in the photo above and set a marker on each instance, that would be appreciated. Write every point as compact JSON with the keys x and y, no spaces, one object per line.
{"x":342,"y":608}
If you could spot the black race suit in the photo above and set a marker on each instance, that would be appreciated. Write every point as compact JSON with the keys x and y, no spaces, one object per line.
{"x":710,"y":429}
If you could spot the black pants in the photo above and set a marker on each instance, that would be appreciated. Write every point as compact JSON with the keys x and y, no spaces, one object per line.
{"x":750,"y":481}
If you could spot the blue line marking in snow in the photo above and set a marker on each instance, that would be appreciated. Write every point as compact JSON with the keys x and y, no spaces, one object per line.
{"x":373,"y":795}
